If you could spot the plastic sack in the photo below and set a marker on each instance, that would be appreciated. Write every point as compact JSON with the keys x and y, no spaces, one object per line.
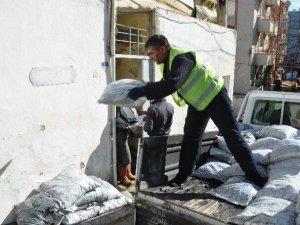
{"x":261,"y":156}
{"x":266,"y":210}
{"x":298,"y":220}
{"x":231,"y":171}
{"x":249,"y":137}
{"x":222,"y":144}
{"x":280,"y":172}
{"x":264,"y":143}
{"x":210,"y":170}
{"x":285,"y":187}
{"x":68,"y":186}
{"x":103,"y":193}
{"x":286,"y":149}
{"x":289,"y":164}
{"x":220,"y":154}
{"x":211,"y":159}
{"x":95,"y":209}
{"x":278,"y":131}
{"x":298,"y":210}
{"x":255,"y":131}
{"x":39,"y":209}
{"x":244,"y":126}
{"x":116,"y":93}
{"x":236,"y":170}
{"x":237,"y":190}
{"x":298,"y":203}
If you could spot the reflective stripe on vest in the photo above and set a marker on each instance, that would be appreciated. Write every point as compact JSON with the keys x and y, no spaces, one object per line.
{"x":208,"y":91}
{"x":201,"y":71}
{"x":201,"y":86}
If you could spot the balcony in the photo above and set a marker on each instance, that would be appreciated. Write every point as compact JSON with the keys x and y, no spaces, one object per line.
{"x":263,"y":57}
{"x":266,"y":25}
{"x":272,"y":2}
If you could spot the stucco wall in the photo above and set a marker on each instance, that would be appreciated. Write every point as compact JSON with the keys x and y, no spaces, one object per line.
{"x":214,"y":43}
{"x":45,"y":128}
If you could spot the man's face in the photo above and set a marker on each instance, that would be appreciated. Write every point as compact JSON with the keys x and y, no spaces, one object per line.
{"x":157,"y":55}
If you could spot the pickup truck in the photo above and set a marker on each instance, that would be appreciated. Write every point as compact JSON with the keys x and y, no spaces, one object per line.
{"x":157,"y":161}
{"x":159,"y":204}
{"x":261,"y":108}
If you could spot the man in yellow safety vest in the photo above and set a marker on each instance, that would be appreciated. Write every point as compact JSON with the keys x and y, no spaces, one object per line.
{"x":191,"y":82}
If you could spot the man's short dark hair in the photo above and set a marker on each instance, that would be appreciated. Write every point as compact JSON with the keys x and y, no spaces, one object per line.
{"x":156,"y":41}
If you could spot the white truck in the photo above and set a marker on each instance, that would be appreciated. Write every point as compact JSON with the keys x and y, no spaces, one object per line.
{"x":261,"y":108}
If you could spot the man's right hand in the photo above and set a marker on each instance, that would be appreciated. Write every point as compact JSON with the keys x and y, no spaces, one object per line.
{"x":136,"y":93}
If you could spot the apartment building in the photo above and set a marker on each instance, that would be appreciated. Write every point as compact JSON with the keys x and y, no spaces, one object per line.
{"x":261,"y":42}
{"x":261,"y":45}
{"x":292,"y":59}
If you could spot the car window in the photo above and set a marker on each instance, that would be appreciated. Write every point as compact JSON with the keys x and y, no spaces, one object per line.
{"x":294,"y":109}
{"x":266,"y":112}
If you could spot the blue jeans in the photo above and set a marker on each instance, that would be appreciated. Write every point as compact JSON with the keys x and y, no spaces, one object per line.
{"x":221,"y":112}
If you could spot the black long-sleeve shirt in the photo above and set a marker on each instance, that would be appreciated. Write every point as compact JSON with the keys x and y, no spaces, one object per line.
{"x":181,"y":68}
{"x":159,"y":118}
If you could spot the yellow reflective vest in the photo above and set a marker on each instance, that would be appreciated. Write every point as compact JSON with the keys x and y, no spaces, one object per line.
{"x":201,"y":85}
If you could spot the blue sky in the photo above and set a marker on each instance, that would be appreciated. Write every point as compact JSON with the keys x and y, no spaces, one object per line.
{"x":295,"y":5}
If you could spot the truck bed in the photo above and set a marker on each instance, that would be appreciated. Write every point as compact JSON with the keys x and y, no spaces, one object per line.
{"x":189,"y":200}
{"x":187,"y":204}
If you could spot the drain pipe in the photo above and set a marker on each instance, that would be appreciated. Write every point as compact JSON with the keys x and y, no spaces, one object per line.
{"x":113,"y":77}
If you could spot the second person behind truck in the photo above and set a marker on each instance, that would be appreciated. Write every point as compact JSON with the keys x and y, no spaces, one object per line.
{"x":159,"y":118}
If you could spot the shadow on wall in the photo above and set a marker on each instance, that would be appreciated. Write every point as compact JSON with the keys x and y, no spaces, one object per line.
{"x":11,"y":215}
{"x":5,"y":167}
{"x":99,"y":163}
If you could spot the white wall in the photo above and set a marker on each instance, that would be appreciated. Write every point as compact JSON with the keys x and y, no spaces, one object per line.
{"x":216,"y":45}
{"x":45,"y":128}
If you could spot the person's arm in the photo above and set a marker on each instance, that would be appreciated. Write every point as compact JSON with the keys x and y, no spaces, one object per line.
{"x":181,"y":68}
{"x":148,"y":126}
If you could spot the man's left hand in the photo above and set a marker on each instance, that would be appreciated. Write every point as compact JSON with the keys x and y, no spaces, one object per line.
{"x":136,"y":93}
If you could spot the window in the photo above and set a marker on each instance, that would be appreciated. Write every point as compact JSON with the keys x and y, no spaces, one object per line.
{"x":294,"y":114}
{"x":268,"y":112}
{"x":130,"y":40}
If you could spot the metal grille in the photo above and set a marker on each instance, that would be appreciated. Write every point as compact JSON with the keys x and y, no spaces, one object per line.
{"x":130,"y":40}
